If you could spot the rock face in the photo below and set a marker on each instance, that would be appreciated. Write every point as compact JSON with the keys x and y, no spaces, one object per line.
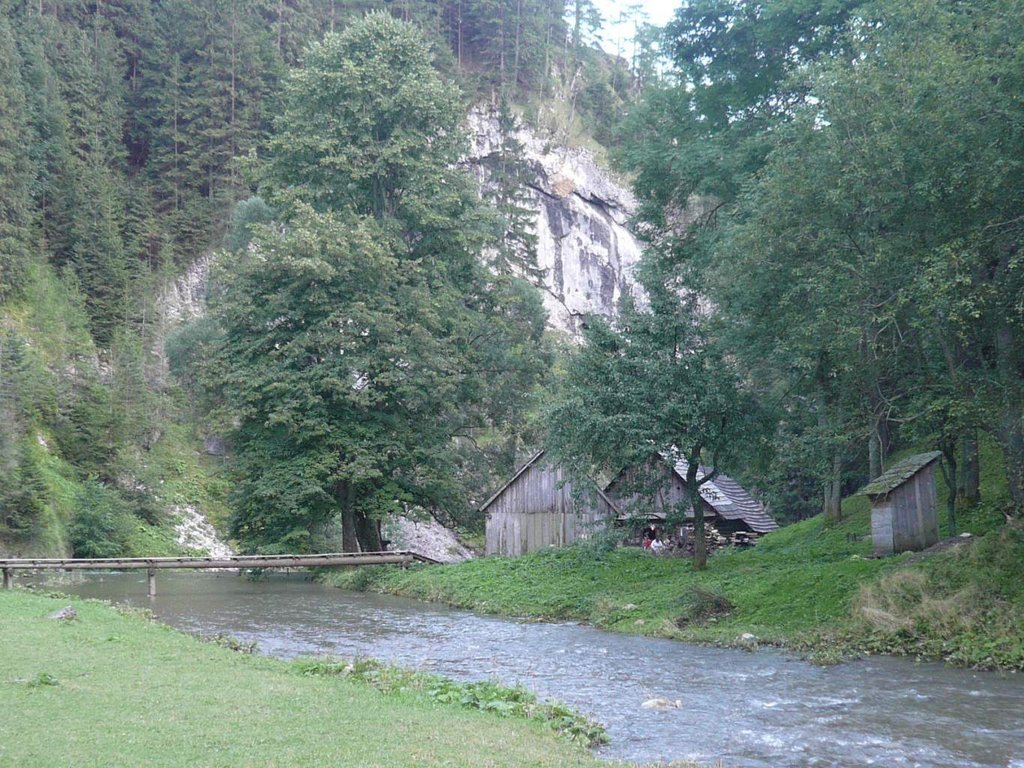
{"x":194,"y":532}
{"x":583,"y":242}
{"x":427,"y":537}
{"x":180,"y":301}
{"x":584,"y":245}
{"x":185,"y":298}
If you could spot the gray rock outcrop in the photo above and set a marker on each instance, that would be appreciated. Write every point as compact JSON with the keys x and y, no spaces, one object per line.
{"x":584,"y":245}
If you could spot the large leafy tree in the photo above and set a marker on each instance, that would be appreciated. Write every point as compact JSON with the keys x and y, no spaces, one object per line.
{"x":362,"y":337}
{"x":883,"y":233}
{"x":655,"y":387}
{"x":838,"y":179}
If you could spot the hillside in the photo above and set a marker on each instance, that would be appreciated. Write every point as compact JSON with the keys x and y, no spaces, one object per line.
{"x":122,"y":137}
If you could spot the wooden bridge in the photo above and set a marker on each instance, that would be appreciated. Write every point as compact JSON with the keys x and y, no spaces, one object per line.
{"x":234,"y":562}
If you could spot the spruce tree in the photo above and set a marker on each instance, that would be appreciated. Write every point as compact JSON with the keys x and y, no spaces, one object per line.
{"x":15,"y":169}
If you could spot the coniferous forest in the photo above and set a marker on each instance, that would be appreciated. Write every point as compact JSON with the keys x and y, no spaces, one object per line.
{"x":830,"y":195}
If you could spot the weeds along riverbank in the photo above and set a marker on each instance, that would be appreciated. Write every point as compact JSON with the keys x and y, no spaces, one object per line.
{"x":809,"y":586}
{"x":107,"y":688}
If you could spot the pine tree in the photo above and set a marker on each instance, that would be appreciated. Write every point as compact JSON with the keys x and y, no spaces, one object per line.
{"x":15,"y":169}
{"x":507,"y":190}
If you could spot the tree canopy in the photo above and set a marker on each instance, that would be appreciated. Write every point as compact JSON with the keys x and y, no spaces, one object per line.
{"x":363,"y":338}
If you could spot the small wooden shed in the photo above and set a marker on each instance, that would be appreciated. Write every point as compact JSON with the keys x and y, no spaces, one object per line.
{"x":531,"y":512}
{"x":904,"y":507}
{"x":725,"y":502}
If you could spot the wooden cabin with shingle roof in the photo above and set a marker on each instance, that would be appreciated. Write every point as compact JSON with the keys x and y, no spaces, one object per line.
{"x":904,"y":506}
{"x":538,"y":508}
{"x":725,"y":503}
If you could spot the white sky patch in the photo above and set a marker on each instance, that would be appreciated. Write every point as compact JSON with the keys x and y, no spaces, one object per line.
{"x":617,"y":32}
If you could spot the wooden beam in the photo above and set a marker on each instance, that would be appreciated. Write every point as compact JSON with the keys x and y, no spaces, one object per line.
{"x":232,"y":562}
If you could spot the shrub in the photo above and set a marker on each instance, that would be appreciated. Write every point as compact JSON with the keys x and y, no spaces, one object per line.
{"x":701,"y":604}
{"x":102,"y":522}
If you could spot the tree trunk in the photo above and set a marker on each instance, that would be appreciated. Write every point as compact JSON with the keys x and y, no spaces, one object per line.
{"x":369,"y":533}
{"x":948,"y":467}
{"x":968,"y":489}
{"x":832,"y":483}
{"x":700,"y":545}
{"x":874,"y":454}
{"x":833,"y":502}
{"x":1010,"y":361}
{"x":515,"y":59}
{"x":1011,"y":438}
{"x":349,"y":536}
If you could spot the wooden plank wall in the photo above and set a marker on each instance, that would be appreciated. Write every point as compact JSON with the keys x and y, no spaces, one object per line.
{"x":915,"y":514}
{"x":676,"y":493}
{"x":534,"y":513}
{"x":907,"y":520}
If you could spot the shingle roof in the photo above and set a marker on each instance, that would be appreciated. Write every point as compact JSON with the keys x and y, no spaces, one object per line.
{"x":898,"y":474}
{"x":729,"y":499}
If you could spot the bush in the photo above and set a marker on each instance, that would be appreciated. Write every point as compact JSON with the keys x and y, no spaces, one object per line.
{"x":702,"y":604}
{"x":102,"y":522}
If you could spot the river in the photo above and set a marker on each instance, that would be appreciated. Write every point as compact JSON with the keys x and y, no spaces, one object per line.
{"x":758,"y":710}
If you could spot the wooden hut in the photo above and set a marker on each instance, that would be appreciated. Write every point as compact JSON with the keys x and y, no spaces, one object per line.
{"x":725,"y":503}
{"x":904,"y":507}
{"x":532,"y":511}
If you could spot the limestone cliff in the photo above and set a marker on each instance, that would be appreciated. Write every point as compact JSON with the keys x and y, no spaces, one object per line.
{"x":584,"y":245}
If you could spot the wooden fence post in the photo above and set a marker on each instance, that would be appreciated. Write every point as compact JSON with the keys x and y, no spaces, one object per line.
{"x":152,"y":582}
{"x":8,"y":578}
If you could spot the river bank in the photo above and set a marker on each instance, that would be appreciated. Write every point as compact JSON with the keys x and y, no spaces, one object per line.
{"x":757,"y":710}
{"x":808,"y":586}
{"x":109,"y":689}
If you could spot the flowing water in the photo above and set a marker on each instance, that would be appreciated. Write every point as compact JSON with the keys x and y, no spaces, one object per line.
{"x":746,"y":709}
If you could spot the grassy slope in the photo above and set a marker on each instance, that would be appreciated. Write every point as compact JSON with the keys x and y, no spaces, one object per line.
{"x":109,"y":690}
{"x":55,"y":332}
{"x":804,"y":585}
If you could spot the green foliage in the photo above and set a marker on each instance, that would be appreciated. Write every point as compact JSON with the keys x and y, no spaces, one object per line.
{"x":364,"y":339}
{"x":487,"y":696}
{"x":653,"y":390}
{"x":249,"y":212}
{"x":701,"y":605}
{"x":813,"y":201}
{"x":507,"y":192}
{"x":102,"y":522}
{"x":23,"y":493}
{"x":368,"y":126}
{"x":15,"y":170}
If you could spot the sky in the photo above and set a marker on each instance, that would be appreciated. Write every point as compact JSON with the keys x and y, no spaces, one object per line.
{"x":659,"y":12}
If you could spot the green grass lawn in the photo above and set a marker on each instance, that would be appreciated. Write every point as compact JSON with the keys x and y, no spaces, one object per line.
{"x":112,"y":690}
{"x":794,"y":580}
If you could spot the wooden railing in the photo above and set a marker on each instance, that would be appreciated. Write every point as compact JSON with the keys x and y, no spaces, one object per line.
{"x":235,"y":562}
